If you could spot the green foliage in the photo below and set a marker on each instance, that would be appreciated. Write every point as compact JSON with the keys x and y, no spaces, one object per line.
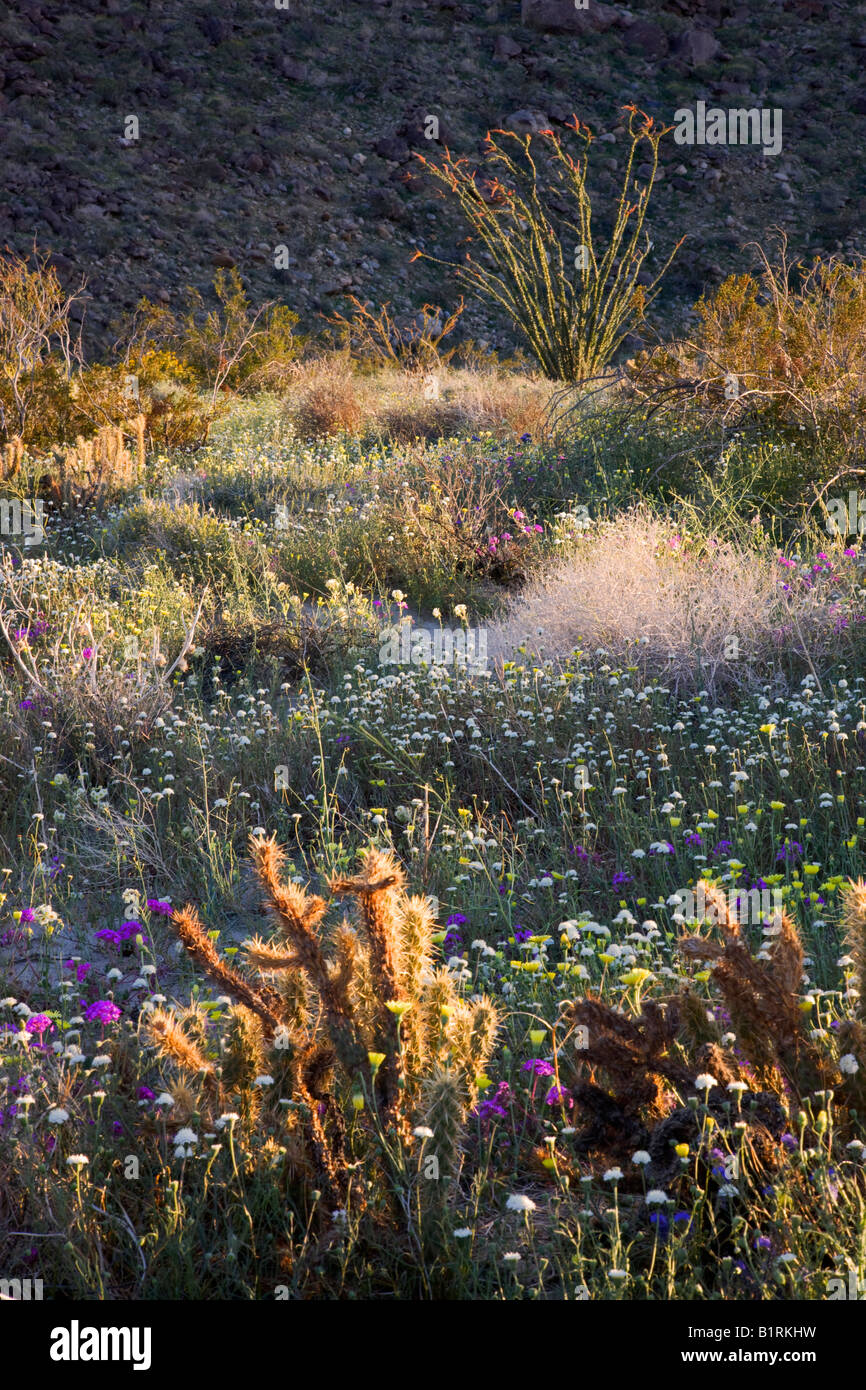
{"x":776,"y":357}
{"x":232,"y":346}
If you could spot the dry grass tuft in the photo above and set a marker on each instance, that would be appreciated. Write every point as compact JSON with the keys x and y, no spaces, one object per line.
{"x":707,"y":614}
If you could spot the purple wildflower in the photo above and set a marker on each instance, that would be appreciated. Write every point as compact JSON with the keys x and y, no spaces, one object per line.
{"x":118,"y":935}
{"x":103,"y":1011}
{"x":39,"y":1023}
{"x":496,"y":1105}
{"x":157,"y":906}
{"x":559,"y":1095}
{"x":538,"y":1067}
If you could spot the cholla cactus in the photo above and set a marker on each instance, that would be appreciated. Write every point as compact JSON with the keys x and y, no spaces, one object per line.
{"x":244,"y":1059}
{"x":852,"y":1033}
{"x":443,"y":1112}
{"x":346,"y":1013}
{"x":854,"y":927}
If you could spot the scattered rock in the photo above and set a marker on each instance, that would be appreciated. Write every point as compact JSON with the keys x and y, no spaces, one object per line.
{"x":338,"y":286}
{"x":647,"y":39}
{"x":527,"y":122}
{"x":207,"y":170}
{"x":560,"y":114}
{"x":505,"y":47}
{"x":215,"y":29}
{"x":62,"y":264}
{"x":560,"y":16}
{"x":393,"y":148}
{"x":223,"y":260}
{"x":414,"y":129}
{"x":697,"y":47}
{"x":387,"y":203}
{"x":293,"y":70}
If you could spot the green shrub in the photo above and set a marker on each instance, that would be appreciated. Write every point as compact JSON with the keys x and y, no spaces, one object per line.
{"x":776,"y":362}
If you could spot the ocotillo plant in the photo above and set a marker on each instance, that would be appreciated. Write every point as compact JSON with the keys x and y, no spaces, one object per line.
{"x":357,"y":1020}
{"x":572,"y":302}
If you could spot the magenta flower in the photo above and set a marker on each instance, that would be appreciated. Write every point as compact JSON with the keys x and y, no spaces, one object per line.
{"x":87,"y":653}
{"x":558,"y":1095}
{"x":155,"y":905}
{"x":103,"y":1011}
{"x":538,"y":1067}
{"x":39,"y":1023}
{"x":117,"y":936}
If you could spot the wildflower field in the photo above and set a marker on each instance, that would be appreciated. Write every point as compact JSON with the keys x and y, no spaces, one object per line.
{"x":339,"y":964}
{"x":432,"y":698}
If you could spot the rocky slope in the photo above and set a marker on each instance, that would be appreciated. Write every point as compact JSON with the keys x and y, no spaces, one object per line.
{"x":260,"y":126}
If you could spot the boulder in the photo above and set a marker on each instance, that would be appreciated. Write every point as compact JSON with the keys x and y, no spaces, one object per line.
{"x":561,"y":17}
{"x":697,"y":47}
{"x":527,"y":122}
{"x":648,"y":39}
{"x":393,"y":148}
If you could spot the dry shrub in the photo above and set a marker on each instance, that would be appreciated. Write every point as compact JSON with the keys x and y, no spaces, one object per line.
{"x":37,"y":350}
{"x":376,"y":335}
{"x":514,"y":402}
{"x":769,"y":349}
{"x":327,"y":399}
{"x":329,"y":396}
{"x":702,"y":614}
{"x":411,"y":415}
